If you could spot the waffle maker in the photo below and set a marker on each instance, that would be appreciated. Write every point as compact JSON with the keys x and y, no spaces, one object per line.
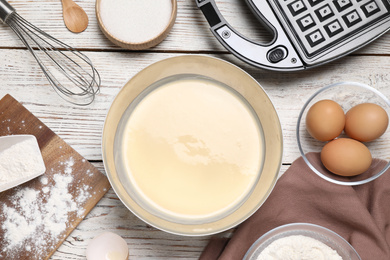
{"x":307,"y":33}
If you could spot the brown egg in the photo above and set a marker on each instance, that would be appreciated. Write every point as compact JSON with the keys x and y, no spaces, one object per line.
{"x":325,"y":120}
{"x":346,"y":157}
{"x":366,"y":122}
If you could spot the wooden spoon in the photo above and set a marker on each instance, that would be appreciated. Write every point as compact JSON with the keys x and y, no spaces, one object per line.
{"x":75,"y":18}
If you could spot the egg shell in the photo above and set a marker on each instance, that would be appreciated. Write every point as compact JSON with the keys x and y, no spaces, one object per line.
{"x":325,"y":120}
{"x":346,"y":157}
{"x":107,"y":245}
{"x":366,"y":122}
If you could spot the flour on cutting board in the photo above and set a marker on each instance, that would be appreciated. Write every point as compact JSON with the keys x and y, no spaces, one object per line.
{"x":37,"y":218}
{"x":15,"y":125}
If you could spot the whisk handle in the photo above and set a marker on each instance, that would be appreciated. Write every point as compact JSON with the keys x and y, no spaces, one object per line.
{"x":5,"y":10}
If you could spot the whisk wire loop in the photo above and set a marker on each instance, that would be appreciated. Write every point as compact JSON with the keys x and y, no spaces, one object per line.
{"x":59,"y":62}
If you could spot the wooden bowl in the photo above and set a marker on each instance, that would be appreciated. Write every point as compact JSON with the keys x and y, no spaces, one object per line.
{"x":137,"y":45}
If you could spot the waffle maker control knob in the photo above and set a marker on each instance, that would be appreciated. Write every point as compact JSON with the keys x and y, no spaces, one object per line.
{"x":277,"y":54}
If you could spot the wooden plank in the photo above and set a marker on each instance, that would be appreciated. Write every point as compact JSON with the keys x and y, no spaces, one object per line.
{"x":190,"y":33}
{"x":36,"y":217}
{"x":81,"y":126}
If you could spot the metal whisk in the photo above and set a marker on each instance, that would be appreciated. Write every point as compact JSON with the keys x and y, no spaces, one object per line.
{"x":71,"y":73}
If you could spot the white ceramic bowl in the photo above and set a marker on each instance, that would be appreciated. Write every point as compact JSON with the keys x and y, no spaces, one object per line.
{"x":324,"y":235}
{"x":347,"y":95}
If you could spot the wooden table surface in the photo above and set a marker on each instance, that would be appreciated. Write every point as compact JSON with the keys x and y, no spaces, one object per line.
{"x":81,"y":127}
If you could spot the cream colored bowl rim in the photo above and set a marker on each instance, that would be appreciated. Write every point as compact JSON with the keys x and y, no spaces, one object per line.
{"x":230,"y":75}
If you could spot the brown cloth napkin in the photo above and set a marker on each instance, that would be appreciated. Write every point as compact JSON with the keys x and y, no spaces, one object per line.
{"x":360,"y":214}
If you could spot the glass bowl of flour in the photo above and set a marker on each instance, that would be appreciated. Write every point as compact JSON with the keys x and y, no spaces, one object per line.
{"x":301,"y":241}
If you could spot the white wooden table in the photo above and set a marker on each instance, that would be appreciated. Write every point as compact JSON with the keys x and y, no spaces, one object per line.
{"x":81,"y":127}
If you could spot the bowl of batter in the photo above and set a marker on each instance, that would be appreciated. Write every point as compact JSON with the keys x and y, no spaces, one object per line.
{"x":192,"y":145}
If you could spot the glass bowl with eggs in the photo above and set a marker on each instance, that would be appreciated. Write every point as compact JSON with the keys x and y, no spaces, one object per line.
{"x":302,"y":240}
{"x":342,"y":133}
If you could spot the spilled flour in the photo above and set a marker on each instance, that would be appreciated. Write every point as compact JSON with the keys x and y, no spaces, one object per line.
{"x":37,"y":218}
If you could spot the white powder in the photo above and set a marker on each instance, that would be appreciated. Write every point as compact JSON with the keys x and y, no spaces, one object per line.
{"x":37,"y":218}
{"x":135,"y":21}
{"x":21,"y":160}
{"x":298,"y":247}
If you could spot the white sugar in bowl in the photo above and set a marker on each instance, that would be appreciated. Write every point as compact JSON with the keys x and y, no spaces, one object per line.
{"x":136,"y":25}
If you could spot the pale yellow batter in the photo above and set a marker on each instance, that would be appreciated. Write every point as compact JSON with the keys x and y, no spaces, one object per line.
{"x":192,"y":148}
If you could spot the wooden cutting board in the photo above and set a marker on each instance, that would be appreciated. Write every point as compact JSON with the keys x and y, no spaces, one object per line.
{"x":36,"y":217}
